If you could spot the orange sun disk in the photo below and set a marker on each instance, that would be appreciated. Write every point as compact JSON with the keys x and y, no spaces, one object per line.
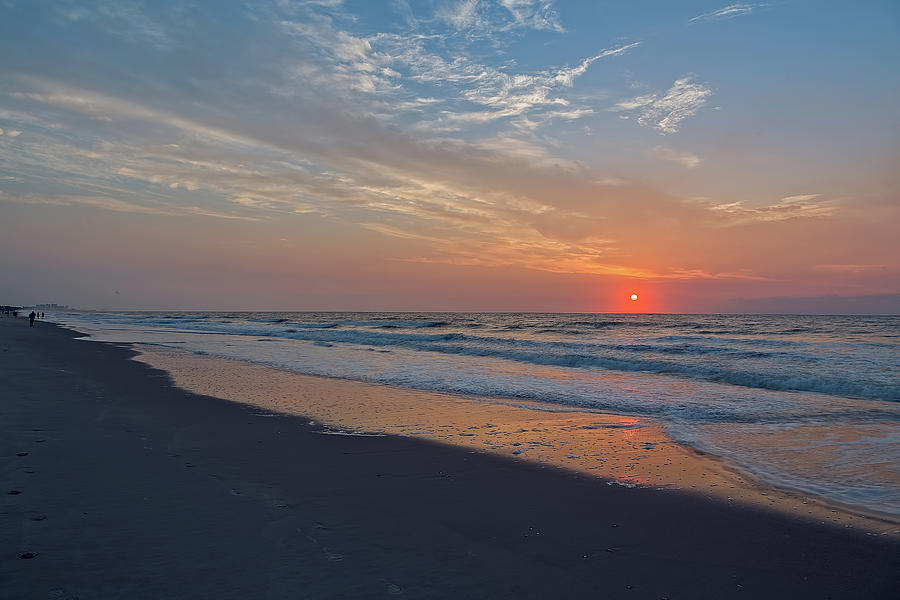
{"x":634,"y":296}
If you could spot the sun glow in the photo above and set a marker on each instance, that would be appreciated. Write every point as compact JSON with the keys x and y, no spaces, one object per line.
{"x":634,"y":296}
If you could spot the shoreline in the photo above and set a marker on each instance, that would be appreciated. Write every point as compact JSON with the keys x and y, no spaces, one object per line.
{"x":624,"y":449}
{"x":147,"y":490}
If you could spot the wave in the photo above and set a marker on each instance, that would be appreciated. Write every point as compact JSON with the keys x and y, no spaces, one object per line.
{"x":394,"y":324}
{"x":594,"y":356}
{"x":848,"y":369}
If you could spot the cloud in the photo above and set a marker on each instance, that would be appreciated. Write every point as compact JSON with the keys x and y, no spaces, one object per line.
{"x":118,"y":205}
{"x":567,"y":77}
{"x":497,"y":201}
{"x":842,"y":268}
{"x":393,"y":232}
{"x":337,"y":59}
{"x":105,"y":107}
{"x":405,"y":11}
{"x":537,"y":14}
{"x":685,"y":159}
{"x":665,"y":113}
{"x":463,"y":16}
{"x":799,"y":199}
{"x":388,"y":72}
{"x":411,"y":134}
{"x":790,"y":207}
{"x":474,"y":17}
{"x":806,"y":205}
{"x":505,"y":94}
{"x":726,"y":12}
{"x":123,"y":18}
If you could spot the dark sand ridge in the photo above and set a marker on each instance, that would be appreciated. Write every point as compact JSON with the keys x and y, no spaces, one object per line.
{"x":134,"y":488}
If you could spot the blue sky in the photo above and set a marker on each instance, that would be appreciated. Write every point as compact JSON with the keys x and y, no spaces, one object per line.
{"x":390,"y":154}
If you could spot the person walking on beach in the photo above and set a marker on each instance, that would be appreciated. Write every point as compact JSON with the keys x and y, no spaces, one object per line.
{"x":31,"y":319}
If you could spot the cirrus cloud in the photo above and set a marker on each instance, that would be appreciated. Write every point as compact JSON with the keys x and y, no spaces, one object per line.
{"x":666,"y":112}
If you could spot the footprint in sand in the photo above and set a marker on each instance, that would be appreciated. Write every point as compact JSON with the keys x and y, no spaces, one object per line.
{"x":27,"y":555}
{"x":21,"y":454}
{"x":37,"y":517}
{"x":13,"y":492}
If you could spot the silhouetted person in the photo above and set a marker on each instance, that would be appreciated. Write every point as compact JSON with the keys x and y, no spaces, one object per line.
{"x":42,"y":315}
{"x":31,"y":319}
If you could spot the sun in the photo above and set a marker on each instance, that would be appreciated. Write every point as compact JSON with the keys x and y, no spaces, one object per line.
{"x":634,"y":296}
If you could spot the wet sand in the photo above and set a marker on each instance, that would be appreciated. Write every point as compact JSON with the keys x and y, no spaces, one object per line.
{"x":129,"y":486}
{"x":625,"y":450}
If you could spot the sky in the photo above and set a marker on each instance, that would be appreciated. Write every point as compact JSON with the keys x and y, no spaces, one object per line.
{"x":475,"y":155}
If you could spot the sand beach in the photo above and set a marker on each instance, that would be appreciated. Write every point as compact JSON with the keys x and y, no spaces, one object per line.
{"x":118,"y":483}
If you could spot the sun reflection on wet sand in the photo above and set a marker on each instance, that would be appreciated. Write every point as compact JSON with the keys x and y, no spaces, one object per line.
{"x":625,"y":450}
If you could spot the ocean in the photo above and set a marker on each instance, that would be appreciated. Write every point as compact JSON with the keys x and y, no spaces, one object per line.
{"x":809,"y":403}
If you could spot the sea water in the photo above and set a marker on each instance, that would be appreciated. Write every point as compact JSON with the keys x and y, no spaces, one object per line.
{"x":810,"y":403}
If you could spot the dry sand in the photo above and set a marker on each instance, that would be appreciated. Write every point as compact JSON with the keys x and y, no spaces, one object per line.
{"x":131,"y":487}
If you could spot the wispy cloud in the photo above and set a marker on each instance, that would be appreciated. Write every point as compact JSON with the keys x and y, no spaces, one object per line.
{"x":537,"y":14}
{"x":665,"y":113}
{"x":419,"y":134}
{"x":726,"y":12}
{"x":683,"y":158}
{"x":502,"y":94}
{"x":388,"y":72}
{"x":464,"y":14}
{"x":105,"y":107}
{"x":854,"y":269}
{"x":487,"y":17}
{"x":799,"y":199}
{"x":125,"y":19}
{"x":567,"y":76}
{"x":521,"y":92}
{"x":118,"y":205}
{"x":337,"y":58}
{"x":801,"y":206}
{"x":496,"y":202}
